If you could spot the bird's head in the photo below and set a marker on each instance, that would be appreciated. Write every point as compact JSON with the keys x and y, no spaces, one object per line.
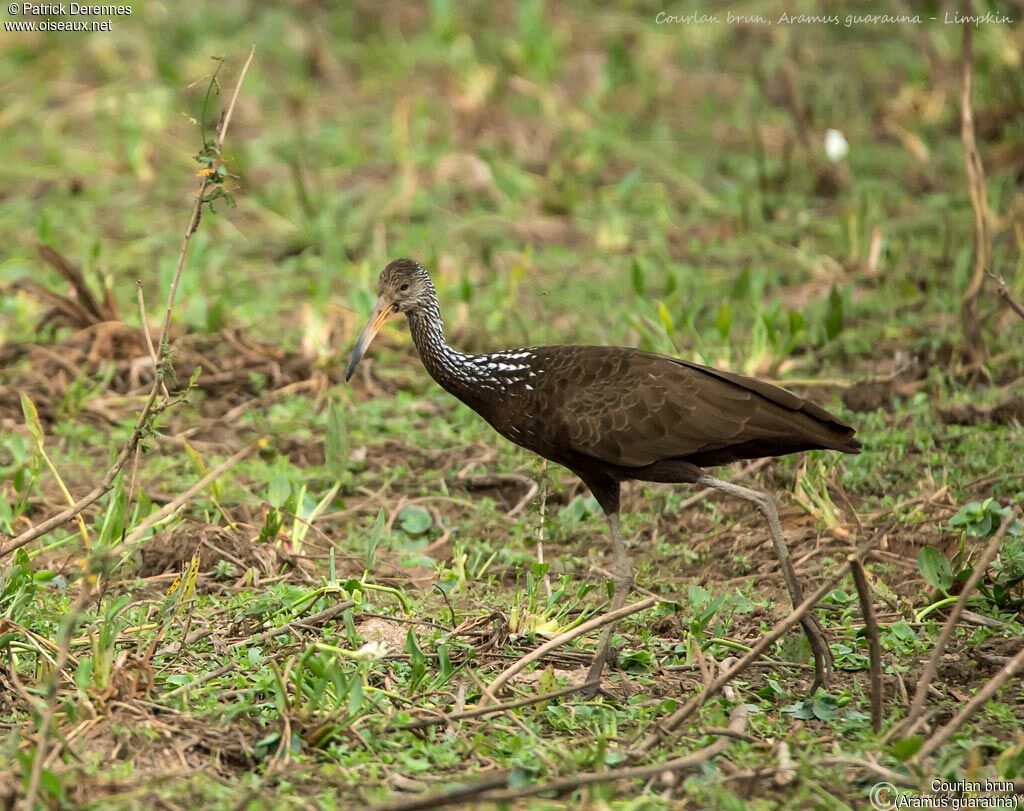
{"x":403,"y":287}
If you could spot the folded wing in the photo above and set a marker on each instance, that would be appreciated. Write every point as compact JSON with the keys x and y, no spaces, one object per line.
{"x":630,"y":408}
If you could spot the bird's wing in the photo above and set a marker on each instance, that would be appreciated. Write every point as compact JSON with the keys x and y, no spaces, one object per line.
{"x":631,"y":408}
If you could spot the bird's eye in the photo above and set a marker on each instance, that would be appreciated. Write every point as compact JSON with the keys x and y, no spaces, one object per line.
{"x":404,"y":287}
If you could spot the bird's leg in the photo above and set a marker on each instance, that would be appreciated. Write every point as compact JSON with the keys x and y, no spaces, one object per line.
{"x":622,"y":570}
{"x":766,"y":506}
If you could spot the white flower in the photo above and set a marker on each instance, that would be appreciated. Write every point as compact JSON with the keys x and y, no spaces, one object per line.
{"x":836,"y":147}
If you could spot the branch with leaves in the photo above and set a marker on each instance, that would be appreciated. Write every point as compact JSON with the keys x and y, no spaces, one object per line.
{"x":210,"y":182}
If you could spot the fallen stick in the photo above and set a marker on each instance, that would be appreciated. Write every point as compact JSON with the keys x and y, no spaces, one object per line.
{"x":1012,"y":668}
{"x":923,"y":683}
{"x":697,"y":701}
{"x":255,"y":639}
{"x":867,"y":610}
{"x":447,"y":718}
{"x":484,"y":790}
{"x":562,"y":639}
{"x":172,"y":506}
{"x":320,"y":616}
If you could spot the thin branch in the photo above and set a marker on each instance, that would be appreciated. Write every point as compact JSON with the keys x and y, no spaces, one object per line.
{"x":867,"y":610}
{"x":987,"y":556}
{"x":93,"y":495}
{"x":447,"y":718}
{"x":149,"y":339}
{"x":170,"y":507}
{"x":1003,"y":289}
{"x":665,"y":728}
{"x":889,"y":775}
{"x":563,"y":639}
{"x":197,"y":211}
{"x":1012,"y":668}
{"x":316,"y":619}
{"x":141,"y":424}
{"x":71,"y":619}
{"x":484,"y":790}
{"x":975,"y":342}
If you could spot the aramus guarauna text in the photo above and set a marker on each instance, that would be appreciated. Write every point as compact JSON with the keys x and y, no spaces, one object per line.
{"x":612,"y":414}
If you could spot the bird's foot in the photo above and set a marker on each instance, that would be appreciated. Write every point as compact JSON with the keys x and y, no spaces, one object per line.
{"x":594,"y":690}
{"x":823,"y":660}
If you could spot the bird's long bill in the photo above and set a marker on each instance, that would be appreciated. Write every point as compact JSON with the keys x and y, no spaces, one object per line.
{"x":381,"y":313}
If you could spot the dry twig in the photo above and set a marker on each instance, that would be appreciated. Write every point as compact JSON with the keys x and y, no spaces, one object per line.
{"x":563,"y":639}
{"x":987,"y":556}
{"x":665,"y":728}
{"x":867,"y":610}
{"x":150,"y":407}
{"x":1011,"y":669}
{"x":975,"y":341}
{"x":447,"y":718}
{"x":175,"y":504}
{"x":1003,"y":289}
{"x":484,"y":790}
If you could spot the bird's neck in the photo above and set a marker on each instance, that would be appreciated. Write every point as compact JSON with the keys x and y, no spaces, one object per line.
{"x":452,"y":369}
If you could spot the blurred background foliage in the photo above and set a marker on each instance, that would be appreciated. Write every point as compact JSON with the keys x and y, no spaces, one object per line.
{"x":571,"y":172}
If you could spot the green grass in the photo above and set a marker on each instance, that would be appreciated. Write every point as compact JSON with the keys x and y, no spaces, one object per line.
{"x":569,"y":173}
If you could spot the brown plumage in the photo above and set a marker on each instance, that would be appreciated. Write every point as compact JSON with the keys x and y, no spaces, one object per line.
{"x":612,"y":414}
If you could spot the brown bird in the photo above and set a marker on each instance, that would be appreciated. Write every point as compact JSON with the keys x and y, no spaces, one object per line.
{"x":611,"y":414}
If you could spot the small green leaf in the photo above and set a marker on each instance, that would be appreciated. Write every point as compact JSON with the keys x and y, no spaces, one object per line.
{"x":336,"y":445}
{"x":35,"y":427}
{"x":279,"y":490}
{"x":666,"y":319}
{"x":417,"y":660}
{"x":636,"y":272}
{"x":637,"y":661}
{"x":355,"y":697}
{"x":376,"y":536}
{"x":415,"y":520}
{"x":834,"y":315}
{"x":935,"y":568}
{"x":51,"y":784}
{"x":6,"y":517}
{"x":906,"y":748}
{"x":579,"y":509}
{"x":824,"y":708}
{"x":801,"y":709}
{"x":444,"y":662}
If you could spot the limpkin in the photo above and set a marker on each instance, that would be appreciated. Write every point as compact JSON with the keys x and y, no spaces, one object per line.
{"x":612,"y":414}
